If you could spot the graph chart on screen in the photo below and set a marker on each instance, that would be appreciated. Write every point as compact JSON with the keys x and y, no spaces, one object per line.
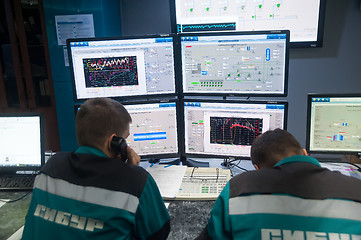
{"x":234,"y":131}
{"x":103,"y":72}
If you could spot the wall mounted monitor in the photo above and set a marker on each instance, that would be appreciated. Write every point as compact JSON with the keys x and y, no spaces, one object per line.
{"x":334,"y":123}
{"x":236,"y":63}
{"x":21,"y":142}
{"x":228,"y":129}
{"x":122,"y":67}
{"x":305,"y":19}
{"x":153,"y":131}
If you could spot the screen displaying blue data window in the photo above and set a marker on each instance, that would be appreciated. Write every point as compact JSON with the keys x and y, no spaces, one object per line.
{"x":237,"y":63}
{"x":334,"y":123}
{"x":122,"y":67}
{"x":153,"y":131}
{"x":229,"y":128}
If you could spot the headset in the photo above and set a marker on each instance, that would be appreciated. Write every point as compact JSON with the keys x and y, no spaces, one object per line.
{"x":119,"y":145}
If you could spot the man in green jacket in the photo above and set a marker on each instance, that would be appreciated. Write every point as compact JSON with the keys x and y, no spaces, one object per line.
{"x":289,"y":197}
{"x":98,"y":191}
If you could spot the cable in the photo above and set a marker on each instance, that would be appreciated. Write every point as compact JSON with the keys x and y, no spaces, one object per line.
{"x":15,"y":200}
{"x":228,"y":163}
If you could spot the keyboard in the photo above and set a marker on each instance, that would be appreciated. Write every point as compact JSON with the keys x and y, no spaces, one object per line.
{"x":18,"y":182}
{"x":203,"y":183}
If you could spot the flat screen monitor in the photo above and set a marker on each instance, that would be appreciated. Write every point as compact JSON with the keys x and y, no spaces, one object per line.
{"x":228,"y":129}
{"x":122,"y":67}
{"x":153,"y":131}
{"x":334,"y":123}
{"x":305,"y":19}
{"x":21,"y":142}
{"x":237,"y":63}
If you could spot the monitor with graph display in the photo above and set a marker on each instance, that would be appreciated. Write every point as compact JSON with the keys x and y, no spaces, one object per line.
{"x":305,"y":19}
{"x":153,"y":131}
{"x":236,"y":63}
{"x":228,"y":128}
{"x":333,"y":123}
{"x":122,"y":67}
{"x":21,"y":141}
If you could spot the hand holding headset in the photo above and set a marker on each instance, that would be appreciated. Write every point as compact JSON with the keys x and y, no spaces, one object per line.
{"x":119,"y":145}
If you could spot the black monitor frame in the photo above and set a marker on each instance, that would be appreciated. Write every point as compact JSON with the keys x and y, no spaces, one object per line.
{"x":14,"y":169}
{"x":205,"y":155}
{"x":293,"y":44}
{"x":227,"y":94}
{"x":308,"y":120}
{"x":95,"y":39}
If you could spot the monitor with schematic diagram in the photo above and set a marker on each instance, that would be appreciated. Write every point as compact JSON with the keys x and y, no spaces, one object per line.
{"x":235,"y":63}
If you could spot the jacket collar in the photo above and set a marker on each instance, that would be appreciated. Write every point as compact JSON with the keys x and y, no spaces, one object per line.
{"x":90,"y":150}
{"x":298,"y":158}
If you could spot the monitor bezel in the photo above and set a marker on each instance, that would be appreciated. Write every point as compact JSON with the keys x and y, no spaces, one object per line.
{"x":308,"y":121}
{"x":156,"y":157}
{"x":120,"y":98}
{"x":204,"y":155}
{"x":14,"y":169}
{"x":293,"y":44}
{"x":230,"y":94}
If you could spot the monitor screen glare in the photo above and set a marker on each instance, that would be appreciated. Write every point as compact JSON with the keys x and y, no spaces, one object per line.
{"x":20,"y":141}
{"x":245,"y":64}
{"x":334,"y":124}
{"x":228,"y":129}
{"x":122,"y":67}
{"x":153,"y":130}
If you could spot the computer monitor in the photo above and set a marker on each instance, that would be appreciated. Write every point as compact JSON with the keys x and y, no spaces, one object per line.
{"x":236,"y":63}
{"x":122,"y":67}
{"x":153,"y":131}
{"x":305,"y":19}
{"x":21,"y":142}
{"x":334,"y":123}
{"x":228,"y":129}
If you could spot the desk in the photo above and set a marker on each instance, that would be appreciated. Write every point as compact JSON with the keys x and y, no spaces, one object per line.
{"x":12,"y":215}
{"x":187,"y":218}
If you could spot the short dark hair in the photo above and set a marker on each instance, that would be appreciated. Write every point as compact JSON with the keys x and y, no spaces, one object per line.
{"x":98,"y":118}
{"x":272,"y":146}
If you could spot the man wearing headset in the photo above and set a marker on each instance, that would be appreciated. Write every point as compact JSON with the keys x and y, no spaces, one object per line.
{"x":290,"y":196}
{"x":98,"y":191}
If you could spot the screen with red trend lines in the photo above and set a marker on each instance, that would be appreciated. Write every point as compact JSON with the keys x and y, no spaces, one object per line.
{"x":103,"y":72}
{"x":228,"y":128}
{"x":121,"y":67}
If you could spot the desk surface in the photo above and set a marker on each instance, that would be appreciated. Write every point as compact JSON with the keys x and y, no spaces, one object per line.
{"x":187,"y":218}
{"x":12,"y":215}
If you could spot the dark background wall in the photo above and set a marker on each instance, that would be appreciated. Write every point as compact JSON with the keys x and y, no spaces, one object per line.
{"x":334,"y":68}
{"x":106,"y":23}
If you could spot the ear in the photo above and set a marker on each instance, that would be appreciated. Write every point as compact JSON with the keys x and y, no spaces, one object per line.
{"x":109,"y":140}
{"x":256,"y":167}
{"x":107,"y":149}
{"x":304,"y":151}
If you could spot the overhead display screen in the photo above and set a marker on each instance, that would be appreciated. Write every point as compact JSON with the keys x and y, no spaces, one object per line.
{"x":304,"y":19}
